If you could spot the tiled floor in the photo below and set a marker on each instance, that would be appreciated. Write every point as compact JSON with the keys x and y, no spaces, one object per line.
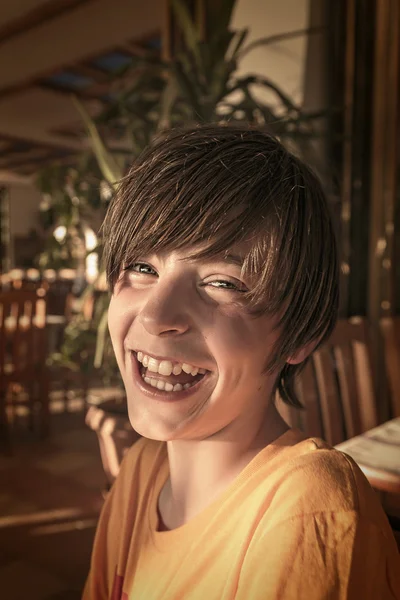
{"x":50,"y":497}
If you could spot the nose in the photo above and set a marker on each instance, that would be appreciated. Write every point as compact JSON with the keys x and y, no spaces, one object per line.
{"x":166,"y":311}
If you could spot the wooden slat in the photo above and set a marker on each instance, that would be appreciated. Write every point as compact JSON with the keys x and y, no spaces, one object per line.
{"x":356,"y":333}
{"x":348,"y":389}
{"x":336,"y":387}
{"x":384,"y":166}
{"x":390,"y":181}
{"x":329,"y":396}
{"x":347,"y":160}
{"x":309,"y":397}
{"x":367,"y":400}
{"x":23,"y":350}
{"x":391,"y":332}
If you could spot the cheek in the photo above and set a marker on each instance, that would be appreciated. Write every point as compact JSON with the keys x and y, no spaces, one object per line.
{"x":242,"y":339}
{"x":119,"y":321}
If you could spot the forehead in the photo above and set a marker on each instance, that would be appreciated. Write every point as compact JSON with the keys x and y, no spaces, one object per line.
{"x":199,"y":254}
{"x":235,"y":254}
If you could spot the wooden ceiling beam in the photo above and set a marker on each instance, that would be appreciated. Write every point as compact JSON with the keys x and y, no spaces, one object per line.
{"x":72,"y":37}
{"x":37,"y":16}
{"x":33,"y":167}
{"x":33,"y":143}
{"x":18,"y":158}
{"x":94,"y":92}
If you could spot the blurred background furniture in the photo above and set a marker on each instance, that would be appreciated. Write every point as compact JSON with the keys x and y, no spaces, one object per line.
{"x":336,"y":387}
{"x":108,"y":417}
{"x":377,"y":453}
{"x":23,"y":352}
{"x":72,"y":361}
{"x":391,"y":333}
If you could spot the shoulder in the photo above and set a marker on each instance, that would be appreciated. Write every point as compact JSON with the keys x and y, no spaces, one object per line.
{"x":318,"y":519}
{"x":314,"y":478}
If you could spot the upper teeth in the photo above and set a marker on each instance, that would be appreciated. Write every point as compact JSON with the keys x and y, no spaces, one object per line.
{"x":166,"y":367}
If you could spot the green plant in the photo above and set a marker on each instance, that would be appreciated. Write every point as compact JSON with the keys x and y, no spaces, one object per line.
{"x":70,"y":198}
{"x":78,"y":349}
{"x":200,"y":84}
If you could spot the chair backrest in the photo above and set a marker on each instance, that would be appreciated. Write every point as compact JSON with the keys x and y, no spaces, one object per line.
{"x":22,"y":335}
{"x":336,"y":387}
{"x":59,"y":295}
{"x":390,"y":327}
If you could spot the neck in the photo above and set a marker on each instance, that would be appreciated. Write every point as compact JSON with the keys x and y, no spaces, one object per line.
{"x":200,"y":470}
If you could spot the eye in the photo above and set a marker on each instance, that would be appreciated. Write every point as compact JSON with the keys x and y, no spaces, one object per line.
{"x":142,"y":268}
{"x":223,"y":284}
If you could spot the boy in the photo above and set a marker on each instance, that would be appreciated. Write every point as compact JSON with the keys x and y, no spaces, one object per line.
{"x":221,"y":260}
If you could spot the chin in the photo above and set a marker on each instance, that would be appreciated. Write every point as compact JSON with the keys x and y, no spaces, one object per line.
{"x":150,"y":427}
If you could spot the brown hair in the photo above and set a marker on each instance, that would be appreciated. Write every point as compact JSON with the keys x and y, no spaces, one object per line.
{"x":219,"y":186}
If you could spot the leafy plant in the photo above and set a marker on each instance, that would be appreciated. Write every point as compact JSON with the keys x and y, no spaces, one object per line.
{"x":70,"y":197}
{"x":200,"y":84}
{"x":78,"y":350}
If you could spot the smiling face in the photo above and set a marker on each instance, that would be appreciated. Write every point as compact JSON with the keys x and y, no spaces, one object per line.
{"x":168,"y":312}
{"x":214,"y":188}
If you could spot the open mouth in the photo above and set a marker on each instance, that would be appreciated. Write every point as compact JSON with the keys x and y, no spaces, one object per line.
{"x":167,"y":376}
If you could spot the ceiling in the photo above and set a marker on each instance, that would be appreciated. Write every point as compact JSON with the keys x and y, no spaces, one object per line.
{"x":50,"y":49}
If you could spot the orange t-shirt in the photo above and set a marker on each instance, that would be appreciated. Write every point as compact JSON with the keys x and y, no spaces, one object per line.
{"x":299,"y":522}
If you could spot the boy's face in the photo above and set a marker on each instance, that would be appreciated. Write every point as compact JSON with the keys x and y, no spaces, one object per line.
{"x":174,"y":312}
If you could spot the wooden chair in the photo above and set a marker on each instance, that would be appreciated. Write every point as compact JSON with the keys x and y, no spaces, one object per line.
{"x":390,"y":327}
{"x":59,"y":297}
{"x":23,"y":353}
{"x":336,"y":387}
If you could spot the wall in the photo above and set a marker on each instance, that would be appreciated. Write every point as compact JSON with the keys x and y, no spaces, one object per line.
{"x":24,"y":200}
{"x":282,"y":62}
{"x":24,"y":206}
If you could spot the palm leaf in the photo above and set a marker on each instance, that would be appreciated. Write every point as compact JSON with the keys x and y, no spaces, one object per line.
{"x":245,"y":82}
{"x":102,"y":332}
{"x":108,"y":165}
{"x":237,"y":42}
{"x":167,"y":101}
{"x":188,"y":27}
{"x":185,"y":87}
{"x":219,"y":16}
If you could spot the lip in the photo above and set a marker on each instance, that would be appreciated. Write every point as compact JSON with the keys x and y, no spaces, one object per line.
{"x":162,"y":395}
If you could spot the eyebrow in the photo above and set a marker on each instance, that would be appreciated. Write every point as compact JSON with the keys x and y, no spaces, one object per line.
{"x":235,"y":259}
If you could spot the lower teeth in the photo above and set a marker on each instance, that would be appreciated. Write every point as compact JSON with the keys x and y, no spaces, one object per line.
{"x":165,"y":386}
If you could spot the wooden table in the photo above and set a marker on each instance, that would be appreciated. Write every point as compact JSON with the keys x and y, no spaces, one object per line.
{"x":377,"y":453}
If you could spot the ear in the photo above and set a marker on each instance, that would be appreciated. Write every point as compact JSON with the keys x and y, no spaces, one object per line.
{"x":303,"y":353}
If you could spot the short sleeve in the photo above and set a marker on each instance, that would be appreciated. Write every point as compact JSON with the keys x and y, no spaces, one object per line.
{"x":335,"y":556}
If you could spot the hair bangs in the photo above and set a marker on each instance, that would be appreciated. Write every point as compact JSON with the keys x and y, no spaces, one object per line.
{"x":197,"y":208}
